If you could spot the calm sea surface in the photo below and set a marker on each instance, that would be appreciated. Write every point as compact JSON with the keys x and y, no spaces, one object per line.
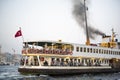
{"x":11,"y":73}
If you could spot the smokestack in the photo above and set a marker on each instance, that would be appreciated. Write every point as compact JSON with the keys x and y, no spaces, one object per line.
{"x":79,"y":12}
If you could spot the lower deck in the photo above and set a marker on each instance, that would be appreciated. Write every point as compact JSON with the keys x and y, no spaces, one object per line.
{"x":58,"y":64}
{"x":58,"y":60}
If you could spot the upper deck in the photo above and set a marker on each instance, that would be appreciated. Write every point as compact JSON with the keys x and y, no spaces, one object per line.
{"x":48,"y":47}
{"x":63,"y":48}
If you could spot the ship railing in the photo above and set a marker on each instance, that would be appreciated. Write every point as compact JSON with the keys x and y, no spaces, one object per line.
{"x":47,"y":51}
{"x":72,"y":63}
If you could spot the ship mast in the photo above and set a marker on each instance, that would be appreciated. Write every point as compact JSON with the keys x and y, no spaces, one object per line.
{"x":87,"y":35}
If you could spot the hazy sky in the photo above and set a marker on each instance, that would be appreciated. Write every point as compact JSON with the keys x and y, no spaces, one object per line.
{"x":53,"y":20}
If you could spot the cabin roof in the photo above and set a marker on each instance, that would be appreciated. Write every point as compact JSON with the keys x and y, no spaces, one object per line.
{"x":49,"y":43}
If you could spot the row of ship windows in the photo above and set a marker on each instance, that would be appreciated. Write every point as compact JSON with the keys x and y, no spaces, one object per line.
{"x":102,"y":51}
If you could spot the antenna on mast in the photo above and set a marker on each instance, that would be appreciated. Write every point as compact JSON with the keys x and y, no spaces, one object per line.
{"x":87,"y":35}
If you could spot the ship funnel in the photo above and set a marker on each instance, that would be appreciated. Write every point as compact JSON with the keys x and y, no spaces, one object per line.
{"x":79,"y":12}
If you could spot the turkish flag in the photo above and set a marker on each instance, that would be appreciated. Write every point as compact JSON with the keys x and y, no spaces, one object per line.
{"x":18,"y":33}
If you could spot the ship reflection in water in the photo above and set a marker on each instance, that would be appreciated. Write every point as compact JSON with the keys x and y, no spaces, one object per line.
{"x":11,"y":73}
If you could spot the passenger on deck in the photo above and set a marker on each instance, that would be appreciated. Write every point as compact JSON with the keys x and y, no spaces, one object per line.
{"x":71,"y":62}
{"x":62,"y":62}
{"x":75,"y":63}
{"x":79,"y":64}
{"x":45,"y":63}
{"x":57,"y":62}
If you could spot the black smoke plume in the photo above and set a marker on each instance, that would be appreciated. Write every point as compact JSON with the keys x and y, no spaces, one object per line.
{"x":79,"y":14}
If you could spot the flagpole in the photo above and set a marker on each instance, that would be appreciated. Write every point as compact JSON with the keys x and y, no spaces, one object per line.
{"x":22,"y":34}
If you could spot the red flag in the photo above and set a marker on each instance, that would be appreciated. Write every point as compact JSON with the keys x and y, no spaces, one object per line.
{"x":18,"y":33}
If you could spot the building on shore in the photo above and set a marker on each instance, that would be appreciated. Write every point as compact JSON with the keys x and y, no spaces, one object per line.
{"x":9,"y":59}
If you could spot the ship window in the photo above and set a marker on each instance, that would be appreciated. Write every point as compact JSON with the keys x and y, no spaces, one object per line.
{"x":106,"y":51}
{"x":107,"y":61}
{"x":117,"y":53}
{"x":90,"y":50}
{"x":102,"y":51}
{"x":113,"y":52}
{"x":77,"y":49}
{"x":81,"y":49}
{"x":109,"y":52}
{"x":99,"y":50}
{"x":84,"y":49}
{"x":94,"y":50}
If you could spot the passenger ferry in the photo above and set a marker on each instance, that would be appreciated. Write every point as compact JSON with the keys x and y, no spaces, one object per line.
{"x":57,"y":57}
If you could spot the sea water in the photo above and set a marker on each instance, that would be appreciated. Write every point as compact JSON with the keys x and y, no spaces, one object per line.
{"x":11,"y":73}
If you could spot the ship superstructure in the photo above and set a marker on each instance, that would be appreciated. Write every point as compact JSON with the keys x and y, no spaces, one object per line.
{"x":58,"y":57}
{"x":41,"y":57}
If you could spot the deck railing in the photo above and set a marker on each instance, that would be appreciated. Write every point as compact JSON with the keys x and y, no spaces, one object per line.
{"x":47,"y":51}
